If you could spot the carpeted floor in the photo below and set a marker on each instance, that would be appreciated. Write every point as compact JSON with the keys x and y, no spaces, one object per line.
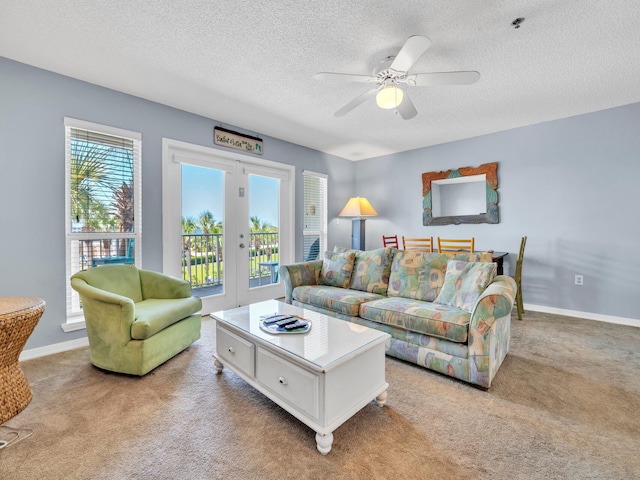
{"x":564,"y":405}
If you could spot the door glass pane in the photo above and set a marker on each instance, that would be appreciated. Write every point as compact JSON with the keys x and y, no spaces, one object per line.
{"x":202,"y":229}
{"x":264,"y":197}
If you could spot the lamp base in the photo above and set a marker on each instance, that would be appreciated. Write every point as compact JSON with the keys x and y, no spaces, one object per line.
{"x":357,"y":233}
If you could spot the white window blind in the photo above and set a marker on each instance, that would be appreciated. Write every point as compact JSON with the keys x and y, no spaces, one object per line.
{"x":315,"y":215}
{"x":102,"y":186}
{"x":103,"y":200}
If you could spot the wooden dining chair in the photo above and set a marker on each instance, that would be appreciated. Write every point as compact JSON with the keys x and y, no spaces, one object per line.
{"x":420,"y":244}
{"x":390,"y":241}
{"x":518,"y":278}
{"x":456,"y":245}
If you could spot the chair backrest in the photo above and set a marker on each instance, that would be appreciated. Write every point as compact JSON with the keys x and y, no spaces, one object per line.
{"x":456,"y":244}
{"x":314,"y":251}
{"x":420,"y":244}
{"x":518,"y":274}
{"x":390,"y":241}
{"x":120,"y":279}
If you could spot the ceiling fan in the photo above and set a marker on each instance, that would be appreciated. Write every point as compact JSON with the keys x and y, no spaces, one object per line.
{"x":387,"y":92}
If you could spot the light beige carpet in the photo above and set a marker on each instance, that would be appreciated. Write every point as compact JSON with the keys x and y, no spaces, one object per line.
{"x":564,"y":405}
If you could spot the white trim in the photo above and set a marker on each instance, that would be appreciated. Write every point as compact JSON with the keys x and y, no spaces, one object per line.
{"x":237,"y":165}
{"x":55,"y":348}
{"x":470,"y":178}
{"x":73,"y":325}
{"x":99,"y":128}
{"x":72,"y":298}
{"x":632,"y":322}
{"x":84,"y":341}
{"x":278,"y":173}
{"x":315,"y":174}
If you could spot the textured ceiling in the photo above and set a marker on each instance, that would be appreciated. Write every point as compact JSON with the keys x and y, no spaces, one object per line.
{"x":250,"y":63}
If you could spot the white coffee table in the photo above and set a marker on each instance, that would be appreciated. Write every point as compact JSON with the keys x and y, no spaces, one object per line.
{"x":322,"y":377}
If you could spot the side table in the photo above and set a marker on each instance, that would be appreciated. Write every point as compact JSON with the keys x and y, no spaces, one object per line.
{"x":18,"y":317}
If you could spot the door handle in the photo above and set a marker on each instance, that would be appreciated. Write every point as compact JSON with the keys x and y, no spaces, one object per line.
{"x":241,"y":245}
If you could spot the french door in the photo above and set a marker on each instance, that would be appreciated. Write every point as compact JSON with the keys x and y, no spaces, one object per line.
{"x":227,"y":223}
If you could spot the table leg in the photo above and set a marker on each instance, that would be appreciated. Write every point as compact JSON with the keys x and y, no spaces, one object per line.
{"x":324,"y":442}
{"x":217,"y":363}
{"x":382,"y":399}
{"x":499,"y":264}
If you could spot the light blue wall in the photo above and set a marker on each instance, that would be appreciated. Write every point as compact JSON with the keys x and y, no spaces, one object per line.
{"x":570,"y":185}
{"x":33,"y":104}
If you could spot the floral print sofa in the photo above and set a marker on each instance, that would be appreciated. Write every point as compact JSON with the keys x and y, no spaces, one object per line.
{"x":446,"y":312}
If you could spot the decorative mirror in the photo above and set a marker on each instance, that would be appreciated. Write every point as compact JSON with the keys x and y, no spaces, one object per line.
{"x":465,"y":195}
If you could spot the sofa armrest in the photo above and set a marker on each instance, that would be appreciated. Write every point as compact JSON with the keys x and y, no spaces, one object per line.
{"x":495,"y":302}
{"x":490,"y":329}
{"x":298,"y":274}
{"x":158,"y":285}
{"x":107,"y":315}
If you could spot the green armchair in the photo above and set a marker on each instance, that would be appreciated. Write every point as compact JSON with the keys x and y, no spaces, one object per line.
{"x":136,"y":319}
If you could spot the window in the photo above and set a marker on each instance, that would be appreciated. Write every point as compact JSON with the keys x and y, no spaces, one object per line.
{"x":103,"y":214}
{"x":315,"y":215}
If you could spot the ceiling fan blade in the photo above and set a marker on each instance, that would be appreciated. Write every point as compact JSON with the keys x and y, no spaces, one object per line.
{"x":406,"y":108}
{"x":343,"y":77}
{"x":410,"y":52}
{"x":443,"y":78}
{"x":356,"y":101}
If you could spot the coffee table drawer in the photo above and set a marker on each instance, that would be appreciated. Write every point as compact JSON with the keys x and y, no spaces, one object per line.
{"x":296,"y":386}
{"x":236,"y":351}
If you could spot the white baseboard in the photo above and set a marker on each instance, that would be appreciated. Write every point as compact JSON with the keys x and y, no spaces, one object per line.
{"x":55,"y":348}
{"x":632,"y":322}
{"x":84,"y":341}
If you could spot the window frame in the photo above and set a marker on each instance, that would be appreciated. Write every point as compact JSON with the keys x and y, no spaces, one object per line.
{"x":74,"y":314}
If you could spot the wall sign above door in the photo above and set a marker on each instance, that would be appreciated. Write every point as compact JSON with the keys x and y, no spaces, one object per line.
{"x":231,"y":139}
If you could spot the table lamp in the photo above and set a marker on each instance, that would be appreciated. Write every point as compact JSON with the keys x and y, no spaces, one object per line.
{"x":358,"y":207}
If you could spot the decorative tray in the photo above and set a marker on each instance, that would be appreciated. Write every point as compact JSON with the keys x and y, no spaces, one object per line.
{"x":278,"y":323}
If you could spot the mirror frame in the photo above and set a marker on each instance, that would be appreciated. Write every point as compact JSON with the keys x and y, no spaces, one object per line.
{"x":491,"y":216}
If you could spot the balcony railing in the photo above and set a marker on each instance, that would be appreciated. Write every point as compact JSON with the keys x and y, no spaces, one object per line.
{"x":202,"y":256}
{"x":203,"y":262}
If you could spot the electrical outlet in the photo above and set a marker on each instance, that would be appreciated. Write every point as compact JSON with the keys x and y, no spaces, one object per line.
{"x":579,"y":280}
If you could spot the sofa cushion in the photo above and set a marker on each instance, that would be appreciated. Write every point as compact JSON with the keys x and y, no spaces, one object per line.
{"x":464,"y":282}
{"x":156,"y":314}
{"x":332,"y":298}
{"x":336,"y":269}
{"x":416,"y":275}
{"x":371,"y":269}
{"x":441,"y":321}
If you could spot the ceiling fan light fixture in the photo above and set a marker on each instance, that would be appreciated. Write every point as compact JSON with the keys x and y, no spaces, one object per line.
{"x":389,"y":97}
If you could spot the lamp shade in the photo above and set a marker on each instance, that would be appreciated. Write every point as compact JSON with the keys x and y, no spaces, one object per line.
{"x":358,"y":207}
{"x":389,"y":97}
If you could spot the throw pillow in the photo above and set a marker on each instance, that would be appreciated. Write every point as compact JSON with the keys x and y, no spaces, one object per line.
{"x":339,"y":249}
{"x":371,"y":271}
{"x":416,"y":275}
{"x":464,"y":282}
{"x":336,"y":269}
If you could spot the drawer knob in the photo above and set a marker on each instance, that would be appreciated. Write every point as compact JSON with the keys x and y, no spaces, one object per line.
{"x":231,"y":350}
{"x":282,"y":380}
